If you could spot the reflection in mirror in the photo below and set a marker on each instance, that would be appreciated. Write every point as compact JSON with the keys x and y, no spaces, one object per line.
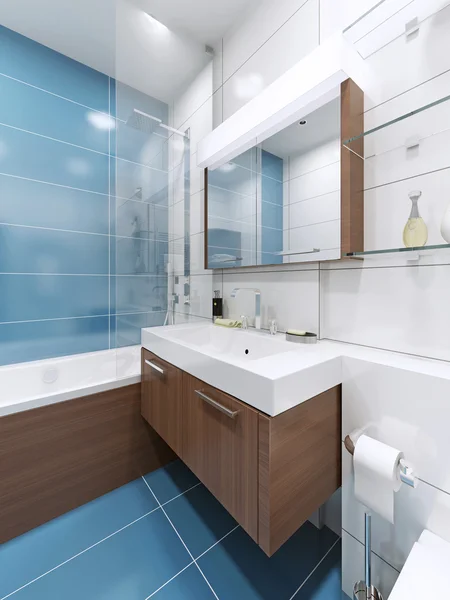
{"x":232,"y":193}
{"x":280,"y":201}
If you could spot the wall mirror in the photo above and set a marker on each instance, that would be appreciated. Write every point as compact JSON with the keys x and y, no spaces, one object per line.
{"x":295,"y":197}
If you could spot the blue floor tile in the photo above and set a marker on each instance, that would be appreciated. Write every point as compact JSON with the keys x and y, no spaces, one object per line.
{"x":238,"y":568}
{"x":189,"y":585}
{"x":28,"y":556}
{"x":199,"y":519}
{"x":326,"y":582}
{"x":130,"y":565}
{"x":171,"y":480}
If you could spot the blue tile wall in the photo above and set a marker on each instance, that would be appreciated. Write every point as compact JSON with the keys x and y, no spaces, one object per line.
{"x":35,"y":64}
{"x":22,"y":202}
{"x":271,"y":230}
{"x":35,"y":340}
{"x":31,"y":298}
{"x":27,"y":108}
{"x":83,"y":207}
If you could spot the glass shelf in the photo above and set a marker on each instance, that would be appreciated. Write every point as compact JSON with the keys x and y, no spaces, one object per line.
{"x":348,"y":143}
{"x":388,"y":20}
{"x":413,"y":253}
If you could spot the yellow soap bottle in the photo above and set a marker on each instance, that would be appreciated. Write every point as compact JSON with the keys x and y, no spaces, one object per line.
{"x":415,"y":232}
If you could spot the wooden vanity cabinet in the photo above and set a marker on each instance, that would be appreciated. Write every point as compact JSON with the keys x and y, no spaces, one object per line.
{"x":270,"y":473}
{"x":161,"y":403}
{"x":220,"y":445}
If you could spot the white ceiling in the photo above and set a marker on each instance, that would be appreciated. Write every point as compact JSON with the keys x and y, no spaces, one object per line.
{"x":117,"y":37}
{"x":321,"y":126}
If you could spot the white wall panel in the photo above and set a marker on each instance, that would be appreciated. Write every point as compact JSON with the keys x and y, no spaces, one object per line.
{"x":401,"y":309}
{"x":383,"y":575}
{"x":295,"y":40}
{"x":254,"y":31}
{"x":290,"y":297}
{"x":317,"y":210}
{"x":315,"y":183}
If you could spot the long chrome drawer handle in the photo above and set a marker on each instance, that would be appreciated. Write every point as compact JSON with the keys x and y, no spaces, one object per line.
{"x":226,"y":411}
{"x":153,"y":366}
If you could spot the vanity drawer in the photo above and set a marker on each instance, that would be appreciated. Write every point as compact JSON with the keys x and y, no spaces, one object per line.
{"x":161,"y":403}
{"x":220,"y":445}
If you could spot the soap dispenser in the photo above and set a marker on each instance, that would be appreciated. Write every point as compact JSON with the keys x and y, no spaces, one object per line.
{"x":217,"y":306}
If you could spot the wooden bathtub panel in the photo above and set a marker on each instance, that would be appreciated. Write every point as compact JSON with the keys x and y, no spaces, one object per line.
{"x":58,"y":457}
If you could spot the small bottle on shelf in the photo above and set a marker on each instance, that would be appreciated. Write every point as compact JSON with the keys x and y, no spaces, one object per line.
{"x":415,"y":232}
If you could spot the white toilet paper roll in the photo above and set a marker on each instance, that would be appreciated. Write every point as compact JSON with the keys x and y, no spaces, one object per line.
{"x":376,"y":475}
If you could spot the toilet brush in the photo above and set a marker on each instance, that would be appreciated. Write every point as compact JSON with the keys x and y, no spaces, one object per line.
{"x":364,"y":590}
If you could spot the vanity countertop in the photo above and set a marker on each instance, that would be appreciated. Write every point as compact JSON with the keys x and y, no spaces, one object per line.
{"x":265,"y":371}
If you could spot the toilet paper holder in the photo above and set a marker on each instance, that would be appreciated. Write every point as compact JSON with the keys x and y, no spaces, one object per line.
{"x":405,"y":471}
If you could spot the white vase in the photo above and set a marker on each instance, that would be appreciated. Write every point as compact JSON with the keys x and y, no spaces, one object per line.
{"x":445,"y":225}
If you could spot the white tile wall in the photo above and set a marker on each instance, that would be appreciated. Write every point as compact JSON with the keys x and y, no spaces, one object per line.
{"x":250,"y":35}
{"x":409,"y":411}
{"x":290,"y":297}
{"x":399,"y":308}
{"x":312,"y":202}
{"x":271,"y":59}
{"x":384,"y":575}
{"x":394,"y":305}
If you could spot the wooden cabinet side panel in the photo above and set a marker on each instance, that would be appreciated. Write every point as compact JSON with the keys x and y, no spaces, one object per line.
{"x":223,"y":452}
{"x":161,"y":403}
{"x":304,"y":465}
{"x":264,"y":483}
{"x":352,"y":169}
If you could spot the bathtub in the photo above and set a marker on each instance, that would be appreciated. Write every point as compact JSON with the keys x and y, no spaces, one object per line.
{"x":39,"y":383}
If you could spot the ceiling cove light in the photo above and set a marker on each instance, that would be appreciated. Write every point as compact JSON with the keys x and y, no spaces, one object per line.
{"x":157,"y":25}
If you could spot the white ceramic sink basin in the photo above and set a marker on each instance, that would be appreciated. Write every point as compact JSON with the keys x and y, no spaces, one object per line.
{"x":264,"y":371}
{"x":234,"y":344}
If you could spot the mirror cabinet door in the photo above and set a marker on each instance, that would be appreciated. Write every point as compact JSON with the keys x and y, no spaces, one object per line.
{"x":232,"y":213}
{"x":293,"y":196}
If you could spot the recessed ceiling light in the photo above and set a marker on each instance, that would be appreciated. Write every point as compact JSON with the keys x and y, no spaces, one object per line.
{"x":227,"y":167}
{"x":302,"y":122}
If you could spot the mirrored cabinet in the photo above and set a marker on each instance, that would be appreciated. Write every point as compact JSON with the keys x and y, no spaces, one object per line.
{"x":296,"y":196}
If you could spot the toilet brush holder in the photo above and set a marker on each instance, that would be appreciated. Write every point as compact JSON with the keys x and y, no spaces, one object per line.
{"x":364,"y":590}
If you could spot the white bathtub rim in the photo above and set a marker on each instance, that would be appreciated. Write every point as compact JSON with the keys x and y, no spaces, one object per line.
{"x":56,"y":397}
{"x":122,"y":368}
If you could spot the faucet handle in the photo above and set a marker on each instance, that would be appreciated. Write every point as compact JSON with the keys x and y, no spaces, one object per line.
{"x":273,"y":327}
{"x":244,"y":320}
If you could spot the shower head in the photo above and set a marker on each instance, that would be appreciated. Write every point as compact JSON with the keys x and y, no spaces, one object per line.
{"x":142,"y":121}
{"x":147,"y":123}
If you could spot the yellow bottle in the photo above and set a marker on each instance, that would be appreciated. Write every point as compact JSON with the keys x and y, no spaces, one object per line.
{"x":415,"y":232}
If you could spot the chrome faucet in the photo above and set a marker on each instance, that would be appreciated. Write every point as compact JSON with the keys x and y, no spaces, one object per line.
{"x":257,"y":293}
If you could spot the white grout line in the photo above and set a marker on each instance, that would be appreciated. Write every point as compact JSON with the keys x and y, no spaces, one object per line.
{"x":69,"y":187}
{"x":111,"y":535}
{"x":80,"y":553}
{"x":182,"y":493}
{"x":181,"y":540}
{"x":47,"y":137}
{"x":193,"y":562}
{"x":315,"y":568}
{"x":116,"y":314}
{"x":53,"y":94}
{"x":171,"y":579}
{"x":218,"y":542}
{"x":107,"y":235}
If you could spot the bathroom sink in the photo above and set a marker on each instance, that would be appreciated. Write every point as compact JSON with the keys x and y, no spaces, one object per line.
{"x":235,"y":344}
{"x":265,"y":371}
